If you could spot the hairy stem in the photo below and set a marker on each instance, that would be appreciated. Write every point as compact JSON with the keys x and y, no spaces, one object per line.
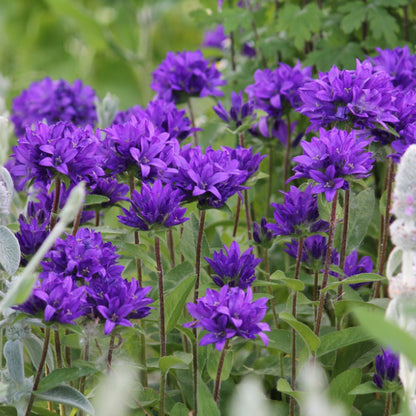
{"x":272,"y":300}
{"x":55,"y":203}
{"x":342,"y":254}
{"x":219,"y":372}
{"x":161,"y":298}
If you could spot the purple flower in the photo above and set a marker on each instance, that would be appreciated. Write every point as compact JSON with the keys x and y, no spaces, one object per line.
{"x":164,"y":115}
{"x":58,"y":297}
{"x":387,"y":367}
{"x":274,"y":127}
{"x":400,"y":145}
{"x":60,"y":149}
{"x":262,"y":234}
{"x":298,"y":215}
{"x":248,"y":49}
{"x":239,"y":111}
{"x":233,"y":269}
{"x":277,"y":91}
{"x":54,"y":101}
{"x":353,"y":266}
{"x":186,"y":74}
{"x":210,"y":178}
{"x":215,"y":38}
{"x":108,"y":186}
{"x":139,"y":147}
{"x":228,"y":313}
{"x":332,"y":159}
{"x":399,"y":63}
{"x":154,"y":207}
{"x":360,"y":98}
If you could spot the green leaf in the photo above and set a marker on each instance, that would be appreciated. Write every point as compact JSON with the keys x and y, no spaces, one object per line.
{"x":13,"y":352}
{"x":63,"y":375}
{"x":206,"y":403}
{"x":366,"y":388}
{"x":284,"y":387}
{"x":341,"y":386}
{"x":235,"y":18}
{"x":361,"y":213}
{"x":66,"y":395}
{"x":9,"y":251}
{"x":382,"y":24}
{"x":280,"y":339}
{"x":387,"y":333}
{"x":212,"y":364}
{"x":137,"y":251}
{"x":170,"y":361}
{"x":34,"y":347}
{"x":339,"y":339}
{"x":355,"y":15}
{"x":92,"y":199}
{"x":176,"y":300}
{"x":311,"y":340}
{"x":358,"y":278}
{"x":179,"y":410}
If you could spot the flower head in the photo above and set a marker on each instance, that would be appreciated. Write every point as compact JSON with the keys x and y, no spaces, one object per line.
{"x":228,"y":313}
{"x":387,"y":367}
{"x":233,"y":269}
{"x":262,"y":234}
{"x":277,"y":91}
{"x":354,"y":266}
{"x":331,"y":159}
{"x":215,"y":38}
{"x":155,"y":206}
{"x":361,"y":98}
{"x":298,"y":215}
{"x":186,"y":74}
{"x":54,"y":101}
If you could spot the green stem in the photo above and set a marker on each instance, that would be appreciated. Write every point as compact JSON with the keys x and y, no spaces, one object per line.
{"x":161,"y":298}
{"x":237,"y":216}
{"x":342,"y":253}
{"x":191,"y":114}
{"x":272,"y":300}
{"x":55,"y":203}
{"x":388,"y":405}
{"x":171,"y":247}
{"x":270,"y":182}
{"x":40,"y":369}
{"x":136,"y":235}
{"x":287,"y":153}
{"x":332,"y":225}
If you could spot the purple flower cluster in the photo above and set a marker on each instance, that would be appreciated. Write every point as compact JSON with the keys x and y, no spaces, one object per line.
{"x":186,"y":74}
{"x":213,"y":177}
{"x":154,"y":207}
{"x":54,"y":101}
{"x":233,"y":269}
{"x":387,"y":367}
{"x":239,"y":111}
{"x":360,"y":98}
{"x":298,"y":215}
{"x":81,"y":277}
{"x":354,"y":266}
{"x":277,"y":91}
{"x":229,"y":313}
{"x":60,"y":149}
{"x":215,"y":38}
{"x":331,"y":159}
{"x":164,"y":115}
{"x":138,"y":146}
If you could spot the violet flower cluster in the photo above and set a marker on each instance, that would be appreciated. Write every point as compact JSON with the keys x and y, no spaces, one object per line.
{"x":228,"y":313}
{"x":81,"y":277}
{"x":387,"y":367}
{"x":232,"y":268}
{"x":186,"y":74}
{"x":360,"y":98}
{"x":53,"y":101}
{"x":156,"y":206}
{"x":332,"y":159}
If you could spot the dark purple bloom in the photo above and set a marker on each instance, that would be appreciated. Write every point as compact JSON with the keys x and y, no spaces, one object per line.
{"x":210,"y":178}
{"x":164,"y":115}
{"x":261,"y":234}
{"x":399,"y":63}
{"x":60,"y":149}
{"x":54,"y":101}
{"x":332,"y":159}
{"x":154,"y":207}
{"x":248,"y":49}
{"x":58,"y":297}
{"x":353,"y":266}
{"x":233,"y":269}
{"x":239,"y":111}
{"x":215,"y":38}
{"x":274,"y":127}
{"x":360,"y":98}
{"x":139,"y":147}
{"x":186,"y":74}
{"x":298,"y":215}
{"x":387,"y":367}
{"x":228,"y":313}
{"x":108,"y":186}
{"x":277,"y":91}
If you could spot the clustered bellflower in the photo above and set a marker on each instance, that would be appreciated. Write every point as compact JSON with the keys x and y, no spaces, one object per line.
{"x":228,"y":313}
{"x":298,"y":215}
{"x":232,"y":268}
{"x":332,"y":159}
{"x":387,"y":367}
{"x":53,"y":101}
{"x":360,"y":98}
{"x":154,"y":207}
{"x":354,"y":266}
{"x":186,"y":74}
{"x":215,"y":38}
{"x":81,"y":277}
